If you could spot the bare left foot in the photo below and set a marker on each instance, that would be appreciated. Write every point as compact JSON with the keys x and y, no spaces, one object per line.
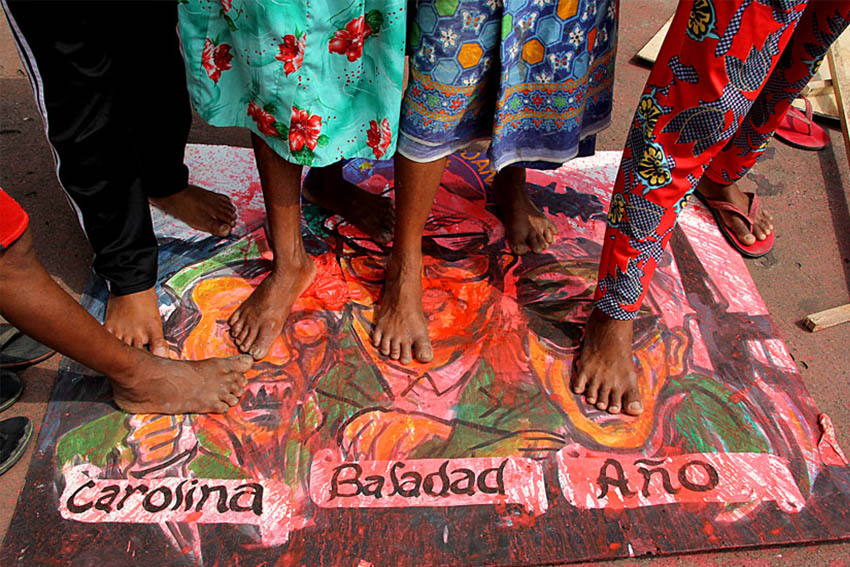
{"x":526,"y":227}
{"x":256,"y":323}
{"x":373,"y":214}
{"x":134,"y":319}
{"x":201,"y":209}
{"x":605,"y":371}
{"x":401,"y":331}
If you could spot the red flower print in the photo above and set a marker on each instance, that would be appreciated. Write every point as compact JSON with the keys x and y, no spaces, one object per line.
{"x":304,"y":129}
{"x":349,"y":40}
{"x":226,"y":5}
{"x":265,"y":121}
{"x":215,"y":59}
{"x":379,"y":138}
{"x":292,"y":52}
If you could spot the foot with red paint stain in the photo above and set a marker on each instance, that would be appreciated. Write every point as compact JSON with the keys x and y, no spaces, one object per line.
{"x":605,"y":371}
{"x":370,"y":213}
{"x":201,"y":209}
{"x":526,"y":227}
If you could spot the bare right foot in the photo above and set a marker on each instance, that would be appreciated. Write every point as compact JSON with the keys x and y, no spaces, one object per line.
{"x":256,"y":324}
{"x":605,"y":371}
{"x":401,"y":331}
{"x":134,"y":319}
{"x":159,"y":385}
{"x":526,"y":227}
{"x":373,"y":214}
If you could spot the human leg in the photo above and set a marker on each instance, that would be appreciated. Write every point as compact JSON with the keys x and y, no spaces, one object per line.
{"x":33,"y":302}
{"x":371,"y":213}
{"x":256,"y":323}
{"x":162,"y":116}
{"x":695,"y":99}
{"x":526,"y":227}
{"x":401,"y":331}
{"x":70,"y":61}
{"x":821,"y":24}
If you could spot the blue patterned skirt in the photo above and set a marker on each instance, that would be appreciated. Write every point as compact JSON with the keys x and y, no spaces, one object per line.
{"x":534,"y":76}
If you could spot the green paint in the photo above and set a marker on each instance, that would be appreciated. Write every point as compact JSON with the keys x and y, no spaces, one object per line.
{"x":446,"y":7}
{"x":207,"y":465}
{"x":95,"y":441}
{"x":707,"y":418}
{"x":507,"y":25}
{"x":240,"y":251}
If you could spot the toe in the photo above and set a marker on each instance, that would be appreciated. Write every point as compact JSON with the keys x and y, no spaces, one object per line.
{"x":246,"y":339}
{"x":602,"y":398}
{"x":423,"y":350}
{"x":266,"y":336}
{"x":631,"y":402}
{"x":159,"y":347}
{"x":579,"y":380}
{"x":385,"y":345}
{"x":592,"y":389}
{"x":241,"y":363}
{"x":537,"y":242}
{"x":615,"y":401}
{"x":406,"y":353}
{"x":395,"y":349}
{"x":220,"y":407}
{"x":549,"y":235}
{"x":519,"y":248}
{"x":377,"y":334}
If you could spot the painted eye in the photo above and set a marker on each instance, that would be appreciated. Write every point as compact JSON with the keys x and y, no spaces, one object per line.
{"x":308,"y":330}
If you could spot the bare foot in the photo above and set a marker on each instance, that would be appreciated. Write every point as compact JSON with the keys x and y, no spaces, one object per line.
{"x":763,"y":224}
{"x":159,"y":385}
{"x":526,"y":227}
{"x":401,"y":331}
{"x":200,"y":209}
{"x":373,"y":214}
{"x":605,"y":371}
{"x":134,"y":319}
{"x":256,"y":324}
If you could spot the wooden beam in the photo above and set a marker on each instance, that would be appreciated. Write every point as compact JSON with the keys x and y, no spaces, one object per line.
{"x":829,"y":318}
{"x":839,"y":65}
{"x":649,"y":52}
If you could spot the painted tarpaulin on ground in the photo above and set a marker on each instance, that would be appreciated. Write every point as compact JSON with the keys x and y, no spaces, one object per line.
{"x":337,"y":456}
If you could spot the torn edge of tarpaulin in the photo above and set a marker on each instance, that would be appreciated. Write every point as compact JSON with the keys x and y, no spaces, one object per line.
{"x":830,"y":453}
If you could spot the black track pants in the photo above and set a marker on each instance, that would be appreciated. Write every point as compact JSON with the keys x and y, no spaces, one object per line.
{"x":108,"y":78}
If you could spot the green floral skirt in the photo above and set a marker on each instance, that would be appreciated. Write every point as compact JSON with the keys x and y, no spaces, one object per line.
{"x":318,"y":80}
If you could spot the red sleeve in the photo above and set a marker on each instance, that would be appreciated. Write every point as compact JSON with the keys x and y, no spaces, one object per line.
{"x":13,"y":220}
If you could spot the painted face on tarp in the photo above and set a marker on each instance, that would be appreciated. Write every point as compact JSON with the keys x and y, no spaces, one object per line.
{"x":279,"y":384}
{"x":558,"y":298}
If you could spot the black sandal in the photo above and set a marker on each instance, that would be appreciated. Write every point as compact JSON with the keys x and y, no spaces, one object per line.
{"x":15,"y":436}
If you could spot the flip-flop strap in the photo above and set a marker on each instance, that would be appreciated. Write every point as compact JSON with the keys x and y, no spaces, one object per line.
{"x":749,"y":217}
{"x":7,"y":335}
{"x":810,"y":114}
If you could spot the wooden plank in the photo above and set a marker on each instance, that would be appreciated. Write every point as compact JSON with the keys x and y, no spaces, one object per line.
{"x":839,"y":63}
{"x":649,"y":52}
{"x":829,"y":318}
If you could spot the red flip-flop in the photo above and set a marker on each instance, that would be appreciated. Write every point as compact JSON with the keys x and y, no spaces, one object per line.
{"x":755,"y":250}
{"x":798,"y":130}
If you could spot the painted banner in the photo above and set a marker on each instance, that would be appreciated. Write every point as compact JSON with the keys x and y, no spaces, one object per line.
{"x":623,"y":481}
{"x":337,"y":456}
{"x":427,"y":482}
